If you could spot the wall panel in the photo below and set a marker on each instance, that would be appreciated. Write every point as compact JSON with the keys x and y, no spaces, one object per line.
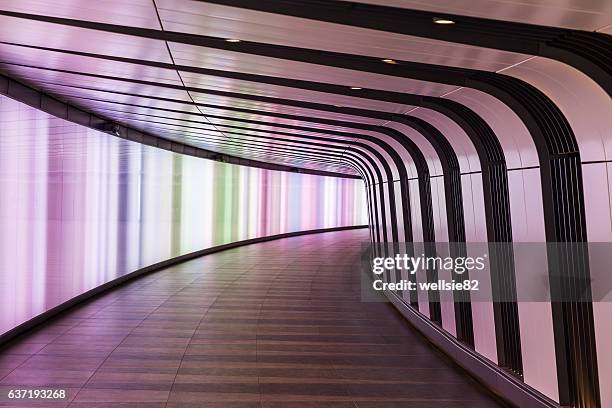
{"x":79,"y":208}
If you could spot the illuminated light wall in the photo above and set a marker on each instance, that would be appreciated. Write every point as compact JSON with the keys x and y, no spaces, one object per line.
{"x":79,"y":208}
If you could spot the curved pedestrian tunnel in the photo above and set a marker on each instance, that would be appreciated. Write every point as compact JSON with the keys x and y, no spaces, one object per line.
{"x":242,"y":328}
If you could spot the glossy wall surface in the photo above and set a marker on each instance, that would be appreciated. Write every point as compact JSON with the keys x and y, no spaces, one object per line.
{"x":79,"y":208}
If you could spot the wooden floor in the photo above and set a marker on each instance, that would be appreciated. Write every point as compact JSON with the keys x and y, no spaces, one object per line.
{"x":272,"y":325}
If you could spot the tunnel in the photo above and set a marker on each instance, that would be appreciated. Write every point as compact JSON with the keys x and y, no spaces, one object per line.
{"x":305,"y":203}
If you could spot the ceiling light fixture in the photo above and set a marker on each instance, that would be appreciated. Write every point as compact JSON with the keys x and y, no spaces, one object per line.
{"x":389,"y":61}
{"x":232,"y":40}
{"x":356,"y":88}
{"x":446,"y":21}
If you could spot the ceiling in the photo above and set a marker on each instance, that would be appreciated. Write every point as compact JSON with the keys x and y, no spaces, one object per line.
{"x":164,"y":67}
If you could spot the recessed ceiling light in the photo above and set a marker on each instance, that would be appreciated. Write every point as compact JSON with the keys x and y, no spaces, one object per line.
{"x":232,"y":40}
{"x":439,"y":20}
{"x":355,"y":88}
{"x":389,"y":61}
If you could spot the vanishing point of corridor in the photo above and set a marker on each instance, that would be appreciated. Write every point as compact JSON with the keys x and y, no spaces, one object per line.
{"x":272,"y":325}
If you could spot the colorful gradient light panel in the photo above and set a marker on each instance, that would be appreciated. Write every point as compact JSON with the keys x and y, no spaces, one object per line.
{"x":79,"y":208}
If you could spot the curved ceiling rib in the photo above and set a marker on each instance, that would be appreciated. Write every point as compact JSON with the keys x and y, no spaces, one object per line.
{"x":586,"y":51}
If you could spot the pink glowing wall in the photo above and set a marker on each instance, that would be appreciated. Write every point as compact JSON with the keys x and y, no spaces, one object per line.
{"x":79,"y":208}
